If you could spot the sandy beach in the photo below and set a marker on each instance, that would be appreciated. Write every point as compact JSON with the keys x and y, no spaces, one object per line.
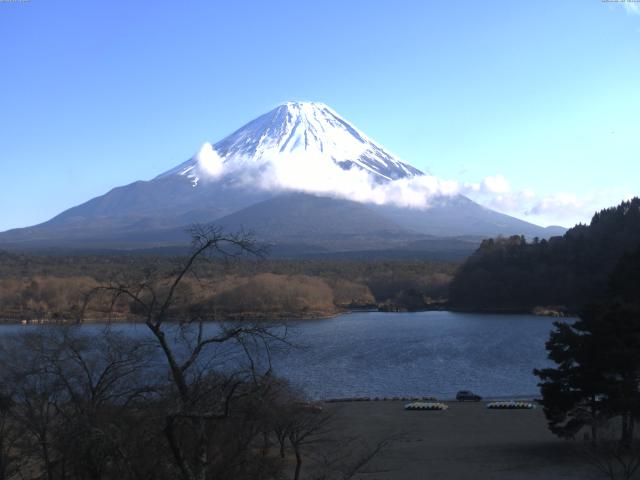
{"x":467,"y":441}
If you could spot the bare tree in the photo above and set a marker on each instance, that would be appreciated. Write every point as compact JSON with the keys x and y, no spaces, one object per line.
{"x":203,"y":394}
{"x":610,"y":457}
{"x":189,"y":399}
{"x":348,"y":458}
{"x":69,"y":393}
{"x":307,"y":423}
{"x":102,"y":377}
{"x":36,"y":395}
{"x":9,"y":435}
{"x":309,"y":430}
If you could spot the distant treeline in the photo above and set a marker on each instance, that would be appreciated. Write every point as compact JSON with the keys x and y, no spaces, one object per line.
{"x":54,"y":287}
{"x":568,"y":271}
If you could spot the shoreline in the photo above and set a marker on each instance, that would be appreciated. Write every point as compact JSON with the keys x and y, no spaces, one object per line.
{"x":486,"y":399}
{"x":538,"y":311}
{"x":288,"y":316}
{"x":245,"y":317}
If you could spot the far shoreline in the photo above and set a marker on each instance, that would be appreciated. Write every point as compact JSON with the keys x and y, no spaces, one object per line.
{"x":285,"y":317}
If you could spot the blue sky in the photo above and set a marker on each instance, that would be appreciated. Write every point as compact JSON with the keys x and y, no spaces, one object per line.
{"x":534,"y":103}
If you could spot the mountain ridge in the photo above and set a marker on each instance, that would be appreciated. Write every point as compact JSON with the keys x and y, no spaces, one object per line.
{"x":299,"y":152}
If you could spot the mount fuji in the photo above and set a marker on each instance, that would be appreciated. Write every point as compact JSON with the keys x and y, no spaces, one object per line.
{"x":302,"y":178}
{"x":306,"y":131}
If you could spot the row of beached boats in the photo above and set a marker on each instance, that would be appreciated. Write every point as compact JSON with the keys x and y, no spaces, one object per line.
{"x":432,"y":403}
{"x":382,"y":399}
{"x":499,"y":405}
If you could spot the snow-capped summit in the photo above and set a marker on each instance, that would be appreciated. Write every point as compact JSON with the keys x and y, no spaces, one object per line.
{"x":304,"y":132}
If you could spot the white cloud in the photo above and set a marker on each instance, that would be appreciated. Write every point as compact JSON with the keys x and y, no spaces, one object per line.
{"x":209,"y":163}
{"x":574,"y":208}
{"x":632,"y":7}
{"x":318,"y":175}
{"x":496,"y":184}
{"x":560,"y":205}
{"x":496,"y":192}
{"x":562,"y":208}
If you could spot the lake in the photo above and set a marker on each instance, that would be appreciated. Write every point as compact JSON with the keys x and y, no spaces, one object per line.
{"x":415,"y":354}
{"x":408,"y":354}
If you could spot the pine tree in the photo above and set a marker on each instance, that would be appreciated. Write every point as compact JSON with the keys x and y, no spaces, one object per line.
{"x":572,"y":392}
{"x":597,"y":377}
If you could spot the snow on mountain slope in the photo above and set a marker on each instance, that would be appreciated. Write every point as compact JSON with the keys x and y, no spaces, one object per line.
{"x":298,"y":135}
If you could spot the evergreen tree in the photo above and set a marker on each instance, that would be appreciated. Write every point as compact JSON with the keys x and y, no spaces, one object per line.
{"x":572,"y":392}
{"x":625,"y":278}
{"x":570,"y":271}
{"x":597,"y":377}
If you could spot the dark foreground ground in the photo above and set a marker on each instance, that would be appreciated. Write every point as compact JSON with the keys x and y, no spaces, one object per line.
{"x":467,"y":441}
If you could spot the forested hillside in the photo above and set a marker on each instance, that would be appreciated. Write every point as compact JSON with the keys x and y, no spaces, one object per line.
{"x":51,"y":287}
{"x":568,"y":271}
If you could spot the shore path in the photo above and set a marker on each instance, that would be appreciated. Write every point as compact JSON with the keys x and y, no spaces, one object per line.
{"x":467,"y":441}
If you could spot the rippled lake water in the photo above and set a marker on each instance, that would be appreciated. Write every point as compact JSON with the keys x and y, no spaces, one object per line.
{"x":409,"y":354}
{"x":423,"y":353}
